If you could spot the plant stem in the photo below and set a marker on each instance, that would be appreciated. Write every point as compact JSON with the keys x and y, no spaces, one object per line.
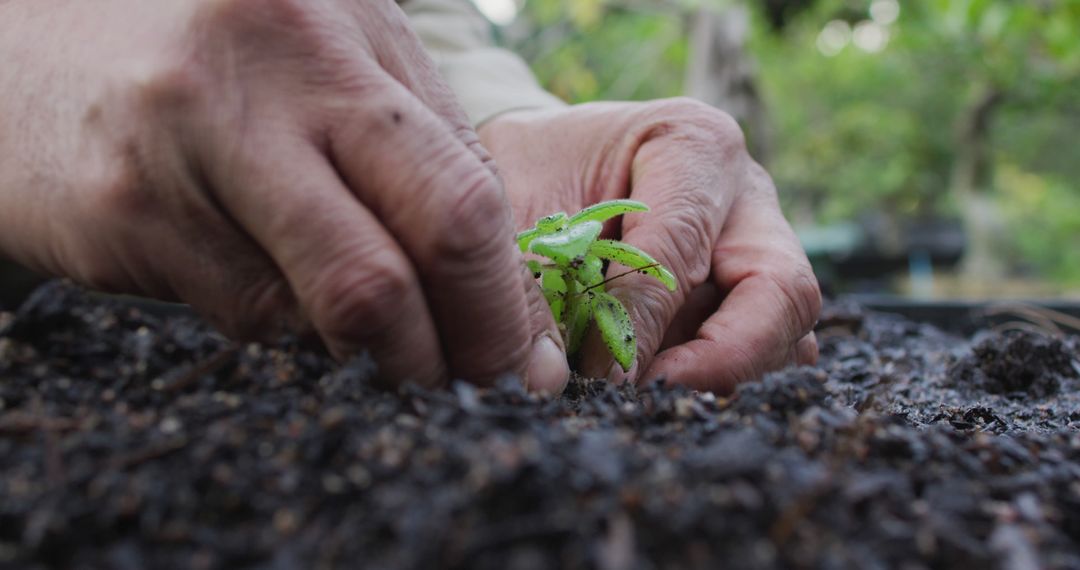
{"x":623,"y":274}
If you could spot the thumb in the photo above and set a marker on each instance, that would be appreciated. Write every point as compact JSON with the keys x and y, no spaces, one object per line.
{"x":687,"y":191}
{"x":548,"y":370}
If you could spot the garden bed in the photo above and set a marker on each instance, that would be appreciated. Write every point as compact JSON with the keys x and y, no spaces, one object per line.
{"x":129,"y":440}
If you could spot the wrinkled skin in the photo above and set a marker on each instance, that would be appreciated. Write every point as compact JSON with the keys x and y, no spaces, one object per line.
{"x":276,"y":164}
{"x":747,"y":298}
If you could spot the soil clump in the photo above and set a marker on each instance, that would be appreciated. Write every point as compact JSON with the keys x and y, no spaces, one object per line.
{"x":129,"y":440}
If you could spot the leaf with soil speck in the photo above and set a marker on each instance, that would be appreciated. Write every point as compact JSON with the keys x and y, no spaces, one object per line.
{"x":616,"y":328}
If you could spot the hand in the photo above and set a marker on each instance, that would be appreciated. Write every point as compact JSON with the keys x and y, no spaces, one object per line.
{"x":274,"y":163}
{"x":715,"y":222}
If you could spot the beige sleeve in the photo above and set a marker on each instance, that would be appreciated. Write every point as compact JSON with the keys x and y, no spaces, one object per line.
{"x":487,"y":80}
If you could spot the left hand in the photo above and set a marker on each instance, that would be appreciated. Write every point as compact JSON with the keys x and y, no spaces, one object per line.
{"x":747,"y":299}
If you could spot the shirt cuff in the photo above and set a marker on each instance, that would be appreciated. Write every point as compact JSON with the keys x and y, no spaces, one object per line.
{"x":487,"y":80}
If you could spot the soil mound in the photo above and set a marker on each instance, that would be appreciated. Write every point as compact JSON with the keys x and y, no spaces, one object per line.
{"x":1019,"y":361}
{"x":134,"y":441}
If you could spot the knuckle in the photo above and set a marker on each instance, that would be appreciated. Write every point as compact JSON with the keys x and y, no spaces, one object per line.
{"x":760,"y":182}
{"x":687,"y":244}
{"x":476,"y":223}
{"x":289,"y":13}
{"x":800,"y":296}
{"x":360,"y":299}
{"x":120,"y":193}
{"x":465,"y":133}
{"x":692,"y":120}
{"x":682,"y":108}
{"x":168,"y":84}
{"x":260,"y":310}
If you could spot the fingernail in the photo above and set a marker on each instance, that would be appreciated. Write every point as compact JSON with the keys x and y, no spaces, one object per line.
{"x":616,"y":375}
{"x":806,"y":350}
{"x":548,"y":370}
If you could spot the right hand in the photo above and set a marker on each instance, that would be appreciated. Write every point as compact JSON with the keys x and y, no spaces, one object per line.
{"x":274,"y":163}
{"x":747,"y":298}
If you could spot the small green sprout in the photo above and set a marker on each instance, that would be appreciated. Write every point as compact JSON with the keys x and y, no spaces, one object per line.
{"x":573,"y":277}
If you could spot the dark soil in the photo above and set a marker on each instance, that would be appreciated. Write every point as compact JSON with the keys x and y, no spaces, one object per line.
{"x":134,"y":441}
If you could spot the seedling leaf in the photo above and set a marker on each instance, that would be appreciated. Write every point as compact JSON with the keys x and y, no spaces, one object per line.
{"x":578,"y":310}
{"x":546,"y":225}
{"x":570,"y":244}
{"x":553,"y":285}
{"x":606,"y":210}
{"x":572,"y":278}
{"x":616,"y":328}
{"x":552,"y":223}
{"x":633,"y":258}
{"x":525,"y":238}
{"x":591,"y":270}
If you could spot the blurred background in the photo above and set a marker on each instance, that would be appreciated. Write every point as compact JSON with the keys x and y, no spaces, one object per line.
{"x":926,"y":148}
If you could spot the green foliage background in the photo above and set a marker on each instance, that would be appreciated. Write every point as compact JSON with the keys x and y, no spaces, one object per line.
{"x":856,"y":131}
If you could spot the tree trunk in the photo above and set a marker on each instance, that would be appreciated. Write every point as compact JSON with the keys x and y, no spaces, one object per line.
{"x":971,"y":181}
{"x":721,"y":73}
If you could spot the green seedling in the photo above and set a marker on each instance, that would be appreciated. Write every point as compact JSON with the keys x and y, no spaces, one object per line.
{"x":572,"y":278}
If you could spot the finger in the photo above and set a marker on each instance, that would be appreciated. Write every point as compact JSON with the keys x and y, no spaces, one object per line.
{"x":678,"y":178}
{"x":401,"y":54}
{"x":806,"y":350}
{"x":176,"y":244}
{"x":699,"y":306}
{"x":548,"y":370}
{"x":352,"y":280}
{"x":449,"y":214}
{"x":223,"y":274}
{"x":773,"y":301}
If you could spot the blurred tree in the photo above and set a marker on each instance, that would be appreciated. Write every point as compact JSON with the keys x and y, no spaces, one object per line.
{"x":1011,"y":50}
{"x":913,"y":108}
{"x":921,"y":121}
{"x":646,"y":49}
{"x":778,"y":12}
{"x":585,"y":50}
{"x":721,"y":73}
